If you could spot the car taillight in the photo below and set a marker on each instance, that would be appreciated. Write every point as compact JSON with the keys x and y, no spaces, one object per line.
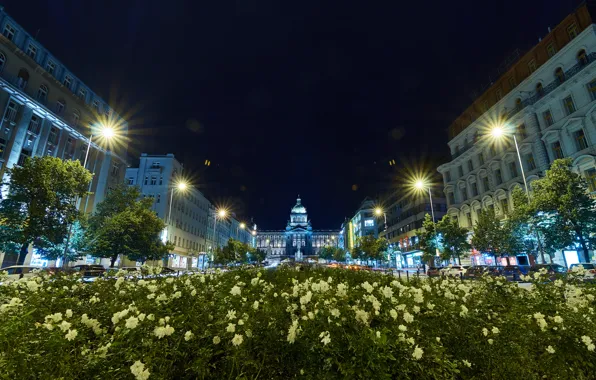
{"x":593,"y":271}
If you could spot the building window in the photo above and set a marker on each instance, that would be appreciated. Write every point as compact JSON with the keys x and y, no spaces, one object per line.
{"x":548,"y":118}
{"x":463,"y":194}
{"x":131,"y":180}
{"x":485,"y":184}
{"x":539,"y":90}
{"x":76,"y":117}
{"x":25,"y":153}
{"x":95,"y":106}
{"x":11,"y":112}
{"x":530,"y":162}
{"x":512,"y":82}
{"x":592,"y":89}
{"x":22,"y":79}
{"x":32,"y":51}
{"x":42,"y":93}
{"x":460,"y":170}
{"x":146,"y":180}
{"x":499,"y":94}
{"x":60,"y":106}
{"x":161,"y":180}
{"x":50,"y":67}
{"x":532,"y":66}
{"x":469,"y":218}
{"x":551,"y":49}
{"x":69,"y":148}
{"x":559,"y":75}
{"x":498,"y":177}
{"x":34,"y":125}
{"x":115,"y":170}
{"x":591,"y":179}
{"x":470,"y":165}
{"x":513,"y":169}
{"x":82,"y":93}
{"x":504,"y":205}
{"x":557,"y":150}
{"x":9,"y":32}
{"x":582,"y":57}
{"x":474,"y":189}
{"x":2,"y":147}
{"x":572,"y":31}
{"x":53,"y":137}
{"x":481,"y":158}
{"x":580,"y":139}
{"x":569,"y":105}
{"x":158,"y":198}
{"x":521,"y":131}
{"x":153,"y":180}
{"x":67,"y":82}
{"x":2,"y":61}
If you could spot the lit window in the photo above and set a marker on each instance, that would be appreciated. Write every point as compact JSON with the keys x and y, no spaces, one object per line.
{"x":572,"y":31}
{"x":42,"y":93}
{"x":569,"y":105}
{"x":67,"y":81}
{"x":50,"y":67}
{"x":530,"y":162}
{"x":82,"y":93}
{"x":9,"y":32}
{"x":513,"y":169}
{"x":34,"y":125}
{"x":369,"y":223}
{"x":582,"y":57}
{"x":532,"y":66}
{"x":557,"y":150}
{"x":2,"y":61}
{"x":32,"y":51}
{"x":560,"y":75}
{"x":580,"y":139}
{"x":551,"y":50}
{"x":591,"y":179}
{"x":548,"y":118}
{"x":60,"y":106}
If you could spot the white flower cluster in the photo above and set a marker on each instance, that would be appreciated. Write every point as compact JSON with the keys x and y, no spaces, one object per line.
{"x":325,"y":337}
{"x":161,"y":331}
{"x":539,"y":317}
{"x":138,"y":370}
{"x":588,"y":342}
{"x":92,"y":324}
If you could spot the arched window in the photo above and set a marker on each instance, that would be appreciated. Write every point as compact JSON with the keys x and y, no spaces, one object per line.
{"x":42,"y":93}
{"x":76,"y":118}
{"x":582,"y":57}
{"x":2,"y":61}
{"x":60,"y":106}
{"x":22,"y":78}
{"x":539,"y":90}
{"x":560,"y":75}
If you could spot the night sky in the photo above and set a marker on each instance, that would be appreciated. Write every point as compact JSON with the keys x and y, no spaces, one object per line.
{"x":309,"y":97}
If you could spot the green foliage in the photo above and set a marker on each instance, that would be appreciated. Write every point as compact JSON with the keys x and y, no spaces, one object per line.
{"x":234,"y":251}
{"x":125,"y":225}
{"x":454,"y":239}
{"x":41,"y":202}
{"x":77,"y":246}
{"x":562,"y":197}
{"x":189,"y":327}
{"x":339,"y":254}
{"x":257,"y":254}
{"x":489,"y":235}
{"x":326,"y":253}
{"x":428,"y":239}
{"x":369,"y":247}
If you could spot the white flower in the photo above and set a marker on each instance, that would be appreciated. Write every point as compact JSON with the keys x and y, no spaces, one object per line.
{"x":178,"y":294}
{"x":139,"y":371}
{"x":495,"y":330}
{"x":68,"y":313}
{"x":417,"y":354}
{"x":255,"y":305}
{"x":325,"y":337}
{"x":368,"y":287}
{"x":216,"y":340}
{"x":438,"y":339}
{"x":162,"y":331}
{"x":119,"y":282}
{"x":362,"y":316}
{"x":188,"y":335}
{"x":464,"y":311}
{"x":231,"y":328}
{"x":169,"y":280}
{"x":590,"y":347}
{"x":402,"y":328}
{"x":193,"y":293}
{"x":490,"y":341}
{"x":56,"y":317}
{"x":387,"y":292}
{"x":240,"y":322}
{"x":558,"y":319}
{"x":237,"y":340}
{"x":550,"y":350}
{"x":467,"y":363}
{"x":341,"y":290}
{"x":132,"y":322}
{"x":248,"y":333}
{"x":150,"y":296}
{"x":293,"y":331}
{"x":335,"y":312}
{"x":64,"y":326}
{"x":71,"y":334}
{"x":236,"y":291}
{"x":378,"y":334}
{"x":151,"y":317}
{"x":409,"y":318}
{"x":306,"y":298}
{"x":231,"y":314}
{"x":32,"y":286}
{"x":485,"y":331}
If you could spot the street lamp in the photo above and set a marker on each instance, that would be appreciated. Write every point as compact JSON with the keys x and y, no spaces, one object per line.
{"x":498,"y":133}
{"x":221,"y":213}
{"x":181,"y":186}
{"x":242,"y":226}
{"x":378,"y":212}
{"x":422,"y":186}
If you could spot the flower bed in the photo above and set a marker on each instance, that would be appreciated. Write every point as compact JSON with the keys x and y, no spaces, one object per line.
{"x":312,"y":324}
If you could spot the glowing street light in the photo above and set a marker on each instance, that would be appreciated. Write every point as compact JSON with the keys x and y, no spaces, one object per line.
{"x":421,"y":185}
{"x":378,"y":212}
{"x":498,"y":132}
{"x":242,"y":226}
{"x":221,"y":213}
{"x":181,"y":186}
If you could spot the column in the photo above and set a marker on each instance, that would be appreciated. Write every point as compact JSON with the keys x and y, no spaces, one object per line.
{"x":20,"y":132}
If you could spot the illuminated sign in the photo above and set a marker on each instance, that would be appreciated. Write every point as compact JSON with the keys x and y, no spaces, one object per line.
{"x":369,"y":223}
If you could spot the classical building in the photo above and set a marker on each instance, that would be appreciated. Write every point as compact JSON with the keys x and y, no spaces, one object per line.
{"x":298,"y":240}
{"x":188,"y":214}
{"x":547,"y":98}
{"x":47,"y":111}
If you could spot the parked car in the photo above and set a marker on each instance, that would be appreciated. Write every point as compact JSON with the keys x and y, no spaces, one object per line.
{"x":514,"y":272}
{"x":590,"y":273}
{"x":19,"y":271}
{"x":88,"y":271}
{"x":553,"y":270}
{"x":477,"y":271}
{"x":434,"y":271}
{"x":453,"y":271}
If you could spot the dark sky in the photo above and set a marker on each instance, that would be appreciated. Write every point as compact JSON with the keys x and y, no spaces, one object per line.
{"x":309,"y":97}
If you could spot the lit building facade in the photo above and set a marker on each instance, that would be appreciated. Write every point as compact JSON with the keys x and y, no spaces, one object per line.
{"x":47,"y":111}
{"x":547,"y":98}
{"x":298,"y":241}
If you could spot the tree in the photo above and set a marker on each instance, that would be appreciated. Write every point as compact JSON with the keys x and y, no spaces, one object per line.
{"x":339,"y":254}
{"x":125,"y":225}
{"x":326,"y":253}
{"x":41,"y":203}
{"x":565,"y":193}
{"x":454,"y":239}
{"x":77,"y":246}
{"x":489,"y":236}
{"x":428,"y":240}
{"x":258,"y":254}
{"x":370,"y":248}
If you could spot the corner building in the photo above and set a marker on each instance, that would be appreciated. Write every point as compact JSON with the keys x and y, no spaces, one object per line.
{"x":548,"y":99}
{"x":47,"y":111}
{"x":298,"y":241}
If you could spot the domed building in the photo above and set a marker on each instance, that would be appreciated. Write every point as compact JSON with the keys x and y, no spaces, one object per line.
{"x":298,"y":241}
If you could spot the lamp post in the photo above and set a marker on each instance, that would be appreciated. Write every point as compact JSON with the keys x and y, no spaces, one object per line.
{"x":378,"y":212}
{"x":222,"y":214}
{"x":107,"y":133}
{"x":421,"y":185}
